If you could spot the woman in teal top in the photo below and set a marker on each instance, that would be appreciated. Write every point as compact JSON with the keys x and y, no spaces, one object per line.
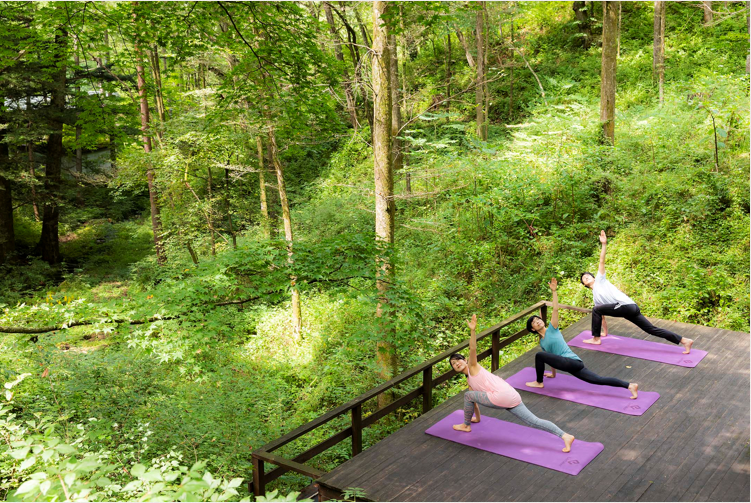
{"x":556,"y":353}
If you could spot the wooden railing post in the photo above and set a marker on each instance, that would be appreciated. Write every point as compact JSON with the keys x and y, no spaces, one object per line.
{"x":259,"y":484}
{"x":544,"y":314}
{"x":495,"y":357}
{"x":427,"y":389}
{"x":357,"y":429}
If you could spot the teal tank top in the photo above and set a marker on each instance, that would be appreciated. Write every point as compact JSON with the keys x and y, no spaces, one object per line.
{"x":553,"y":342}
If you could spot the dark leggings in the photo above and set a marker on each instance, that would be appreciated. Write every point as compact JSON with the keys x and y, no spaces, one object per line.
{"x":574,"y":367}
{"x":633,"y":314}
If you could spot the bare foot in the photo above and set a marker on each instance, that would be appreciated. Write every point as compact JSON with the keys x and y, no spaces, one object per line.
{"x":462,"y":427}
{"x":475,"y":420}
{"x":535,"y":384}
{"x":593,"y":340}
{"x":550,"y":375}
{"x":568,"y":439}
{"x":687,"y":343}
{"x":634,"y":389}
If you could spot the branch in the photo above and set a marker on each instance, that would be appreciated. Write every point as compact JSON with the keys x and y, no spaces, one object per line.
{"x":542,"y":91}
{"x":232,"y":302}
{"x":41,"y":330}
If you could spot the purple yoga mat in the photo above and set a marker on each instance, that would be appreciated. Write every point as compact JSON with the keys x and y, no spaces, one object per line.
{"x":637,"y":348}
{"x":570,"y":388}
{"x":518,"y":442}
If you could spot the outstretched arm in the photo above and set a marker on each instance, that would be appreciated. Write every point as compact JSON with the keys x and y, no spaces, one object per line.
{"x":554,"y":287}
{"x":472,"y":342}
{"x":604,"y":241}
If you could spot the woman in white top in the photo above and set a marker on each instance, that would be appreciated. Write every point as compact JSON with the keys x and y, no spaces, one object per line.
{"x":609,"y":301}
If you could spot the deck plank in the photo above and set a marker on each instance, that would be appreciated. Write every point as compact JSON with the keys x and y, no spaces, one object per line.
{"x":691,"y":445}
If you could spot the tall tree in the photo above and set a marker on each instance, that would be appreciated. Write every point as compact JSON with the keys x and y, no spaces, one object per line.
{"x":480,"y":114}
{"x":465,"y":45}
{"x":748,"y":29}
{"x":296,"y":310}
{"x":49,"y":245}
{"x":79,"y":149}
{"x":582,"y":15}
{"x":403,"y":147}
{"x":156,"y":76}
{"x":707,"y":8}
{"x":608,"y":71}
{"x":658,"y":57}
{"x":32,"y":164}
{"x":156,"y":223}
{"x":265,"y":222}
{"x":7,"y":232}
{"x":346,"y":82}
{"x":396,"y":114}
{"x":385,"y":206}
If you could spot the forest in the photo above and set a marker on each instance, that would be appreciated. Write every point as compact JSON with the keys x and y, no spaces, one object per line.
{"x":221,"y":219}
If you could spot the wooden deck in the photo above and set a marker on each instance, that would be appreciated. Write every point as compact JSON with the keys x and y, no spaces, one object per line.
{"x":692,"y":445}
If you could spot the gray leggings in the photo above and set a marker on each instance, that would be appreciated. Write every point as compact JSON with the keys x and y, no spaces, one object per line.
{"x":521,"y":411}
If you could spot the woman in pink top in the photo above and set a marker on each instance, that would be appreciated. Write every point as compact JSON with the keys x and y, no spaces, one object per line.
{"x":492,"y":391}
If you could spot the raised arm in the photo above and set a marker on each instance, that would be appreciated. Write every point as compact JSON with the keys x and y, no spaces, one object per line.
{"x":472,"y":341}
{"x":554,"y":287}
{"x":604,"y":241}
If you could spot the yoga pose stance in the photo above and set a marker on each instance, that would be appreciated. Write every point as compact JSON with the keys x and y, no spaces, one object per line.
{"x":556,"y":353}
{"x":491,"y":391}
{"x":609,"y":301}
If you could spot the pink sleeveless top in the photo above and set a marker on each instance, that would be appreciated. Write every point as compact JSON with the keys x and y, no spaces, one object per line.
{"x":499,"y":391}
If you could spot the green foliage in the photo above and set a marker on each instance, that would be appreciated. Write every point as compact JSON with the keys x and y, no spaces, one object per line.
{"x":352,"y":493}
{"x":43,"y":463}
{"x":189,"y":366}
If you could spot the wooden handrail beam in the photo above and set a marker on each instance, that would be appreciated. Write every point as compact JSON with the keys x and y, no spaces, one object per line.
{"x":342,"y":409}
{"x":271,"y":446}
{"x":288,"y":463}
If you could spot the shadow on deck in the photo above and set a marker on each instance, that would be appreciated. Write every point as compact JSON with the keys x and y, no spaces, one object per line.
{"x":692,"y":445}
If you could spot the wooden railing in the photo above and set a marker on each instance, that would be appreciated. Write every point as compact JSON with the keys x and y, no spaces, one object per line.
{"x":265,"y":454}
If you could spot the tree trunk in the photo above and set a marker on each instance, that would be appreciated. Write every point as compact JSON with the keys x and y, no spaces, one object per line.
{"x":364,"y":88}
{"x":385,"y":207}
{"x":229,"y":214}
{"x":448,"y":71}
{"x":265,"y":224}
{"x":396,"y":116}
{"x":7,"y":232}
{"x":49,"y":244}
{"x":486,"y":90}
{"x":296,"y":311}
{"x":618,"y":37}
{"x":79,"y":151}
{"x":608,"y":72}
{"x":32,"y":173}
{"x":158,"y":98}
{"x":707,"y":7}
{"x":511,"y":75}
{"x":156,"y":223}
{"x":110,"y":136}
{"x":582,"y":20}
{"x":658,"y":54}
{"x":210,"y":210}
{"x":346,"y":82}
{"x":403,"y":109}
{"x":363,"y":31}
{"x":480,"y":81}
{"x":467,"y":52}
{"x":748,"y":28}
